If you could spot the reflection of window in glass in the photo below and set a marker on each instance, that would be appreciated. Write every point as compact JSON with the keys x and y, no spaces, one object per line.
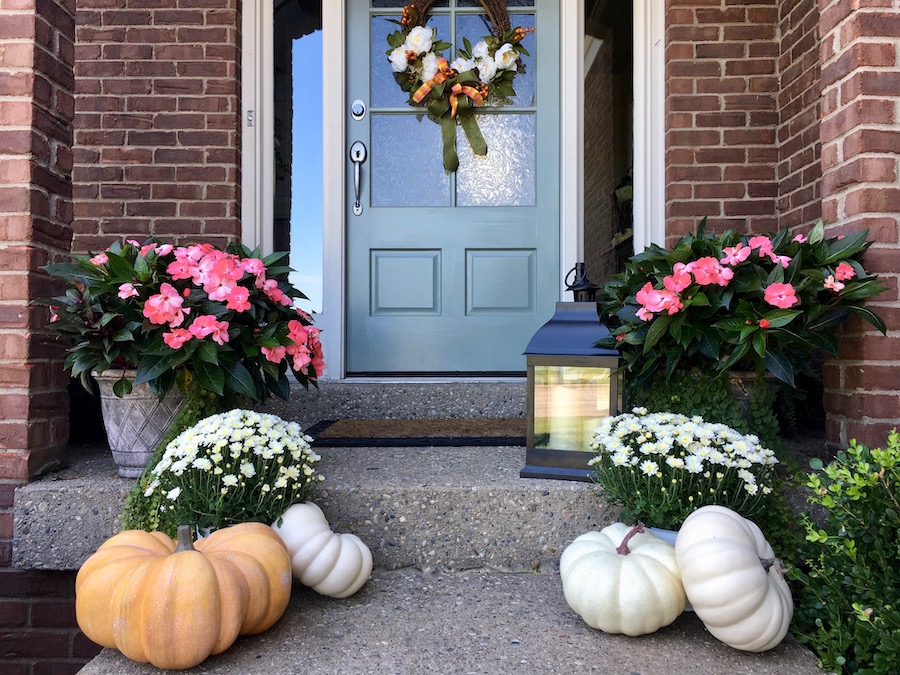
{"x":298,"y":207}
{"x":608,"y":146}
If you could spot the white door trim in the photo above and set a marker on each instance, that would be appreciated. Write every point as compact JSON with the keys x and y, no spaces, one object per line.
{"x":257,"y":127}
{"x":571,"y":137}
{"x":333,"y":153}
{"x":649,"y":123}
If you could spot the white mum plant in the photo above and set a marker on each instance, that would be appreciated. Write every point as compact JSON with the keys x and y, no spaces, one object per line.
{"x":233,"y":467}
{"x":662,"y":466}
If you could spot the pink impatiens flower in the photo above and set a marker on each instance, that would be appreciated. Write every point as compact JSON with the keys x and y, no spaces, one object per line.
{"x":100,"y":259}
{"x":127,"y":291}
{"x":844,"y":272}
{"x":782,"y":296}
{"x":782,"y":260}
{"x":654,"y":300}
{"x":238,"y":299}
{"x":679,"y":279}
{"x":734,"y":255}
{"x":801,"y":238}
{"x":763,"y":243}
{"x":165,"y":307}
{"x":270,"y":288}
{"x":644,"y":314}
{"x":708,"y":271}
{"x":253,"y":266}
{"x":177,"y":337}
{"x":179,"y":269}
{"x":273,"y":354}
{"x":207,"y":324}
{"x":833,"y":285}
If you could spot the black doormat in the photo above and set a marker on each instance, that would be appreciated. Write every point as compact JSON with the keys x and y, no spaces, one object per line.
{"x":355,"y":433}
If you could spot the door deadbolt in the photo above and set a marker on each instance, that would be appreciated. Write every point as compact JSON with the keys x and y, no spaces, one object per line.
{"x":357,"y":110}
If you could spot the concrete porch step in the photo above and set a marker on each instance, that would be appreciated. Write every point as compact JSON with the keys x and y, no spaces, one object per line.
{"x":480,"y":621}
{"x":402,"y":399}
{"x":432,"y":508}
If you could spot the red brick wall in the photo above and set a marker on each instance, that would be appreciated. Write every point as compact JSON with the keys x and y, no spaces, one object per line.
{"x":157,"y":147}
{"x":721,"y":114}
{"x":799,"y":169}
{"x":37,"y":633}
{"x":600,"y":172}
{"x":860,"y":155}
{"x":37,"y":624}
{"x":35,"y":212}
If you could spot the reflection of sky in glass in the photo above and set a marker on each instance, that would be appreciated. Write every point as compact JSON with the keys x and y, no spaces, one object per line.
{"x":306,"y":170}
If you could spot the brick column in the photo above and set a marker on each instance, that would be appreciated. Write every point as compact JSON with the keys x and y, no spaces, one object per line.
{"x":157,"y":147}
{"x":36,"y":108}
{"x":721,"y":115}
{"x":799,"y":147}
{"x":860,"y":152}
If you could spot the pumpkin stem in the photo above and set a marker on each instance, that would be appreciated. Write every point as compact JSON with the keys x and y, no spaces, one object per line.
{"x":185,"y":542}
{"x":768,"y":563}
{"x":622,"y":549}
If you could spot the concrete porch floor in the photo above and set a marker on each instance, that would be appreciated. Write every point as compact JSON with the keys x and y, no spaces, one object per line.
{"x":466,"y":557}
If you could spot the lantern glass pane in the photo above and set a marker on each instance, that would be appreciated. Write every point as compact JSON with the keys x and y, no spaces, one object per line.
{"x":569,"y":403}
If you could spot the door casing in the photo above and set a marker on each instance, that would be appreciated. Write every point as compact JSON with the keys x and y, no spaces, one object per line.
{"x":258,"y":122}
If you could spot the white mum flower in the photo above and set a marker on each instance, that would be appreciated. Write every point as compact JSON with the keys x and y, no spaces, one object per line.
{"x":649,"y":468}
{"x":746,"y":476}
{"x":230,"y":480}
{"x":621,"y":458}
{"x":248,"y":470}
{"x":202,"y":463}
{"x":693,"y":464}
{"x":173,"y":493}
{"x":675,"y":462}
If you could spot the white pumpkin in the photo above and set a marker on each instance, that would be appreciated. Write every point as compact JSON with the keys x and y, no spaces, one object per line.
{"x":336,"y":565}
{"x":733,"y":579}
{"x":622,"y":580}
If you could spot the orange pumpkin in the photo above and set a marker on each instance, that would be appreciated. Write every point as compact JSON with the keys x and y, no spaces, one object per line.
{"x":175,"y":605}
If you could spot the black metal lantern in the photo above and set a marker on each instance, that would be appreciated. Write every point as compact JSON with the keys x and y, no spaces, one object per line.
{"x":572,"y":385}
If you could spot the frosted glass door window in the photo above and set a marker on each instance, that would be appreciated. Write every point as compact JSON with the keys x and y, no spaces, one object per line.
{"x":399,"y":179}
{"x":506,"y":176}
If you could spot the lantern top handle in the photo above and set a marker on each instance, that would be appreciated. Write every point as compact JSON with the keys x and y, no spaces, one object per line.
{"x":582,"y":288}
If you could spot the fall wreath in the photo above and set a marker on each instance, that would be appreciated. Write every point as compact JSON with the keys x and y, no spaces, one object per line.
{"x":452,"y":90}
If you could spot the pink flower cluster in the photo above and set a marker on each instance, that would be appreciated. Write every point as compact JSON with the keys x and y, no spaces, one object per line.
{"x":708,"y":270}
{"x":843,"y":272}
{"x":218,"y":273}
{"x":305,"y":348}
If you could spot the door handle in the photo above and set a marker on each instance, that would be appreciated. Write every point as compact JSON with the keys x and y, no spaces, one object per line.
{"x":358,"y":156}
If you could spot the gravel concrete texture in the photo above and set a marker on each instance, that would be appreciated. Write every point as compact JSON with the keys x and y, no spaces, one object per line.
{"x":433,"y":508}
{"x":407,"y":621}
{"x":440,"y":399}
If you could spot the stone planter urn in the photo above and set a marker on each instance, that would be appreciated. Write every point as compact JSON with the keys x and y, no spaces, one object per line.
{"x":135,"y":423}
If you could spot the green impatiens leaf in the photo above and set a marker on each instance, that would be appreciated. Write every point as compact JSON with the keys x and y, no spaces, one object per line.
{"x":210,"y":377}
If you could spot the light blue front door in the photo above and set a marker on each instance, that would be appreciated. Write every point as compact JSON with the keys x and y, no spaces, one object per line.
{"x":450,"y":273}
